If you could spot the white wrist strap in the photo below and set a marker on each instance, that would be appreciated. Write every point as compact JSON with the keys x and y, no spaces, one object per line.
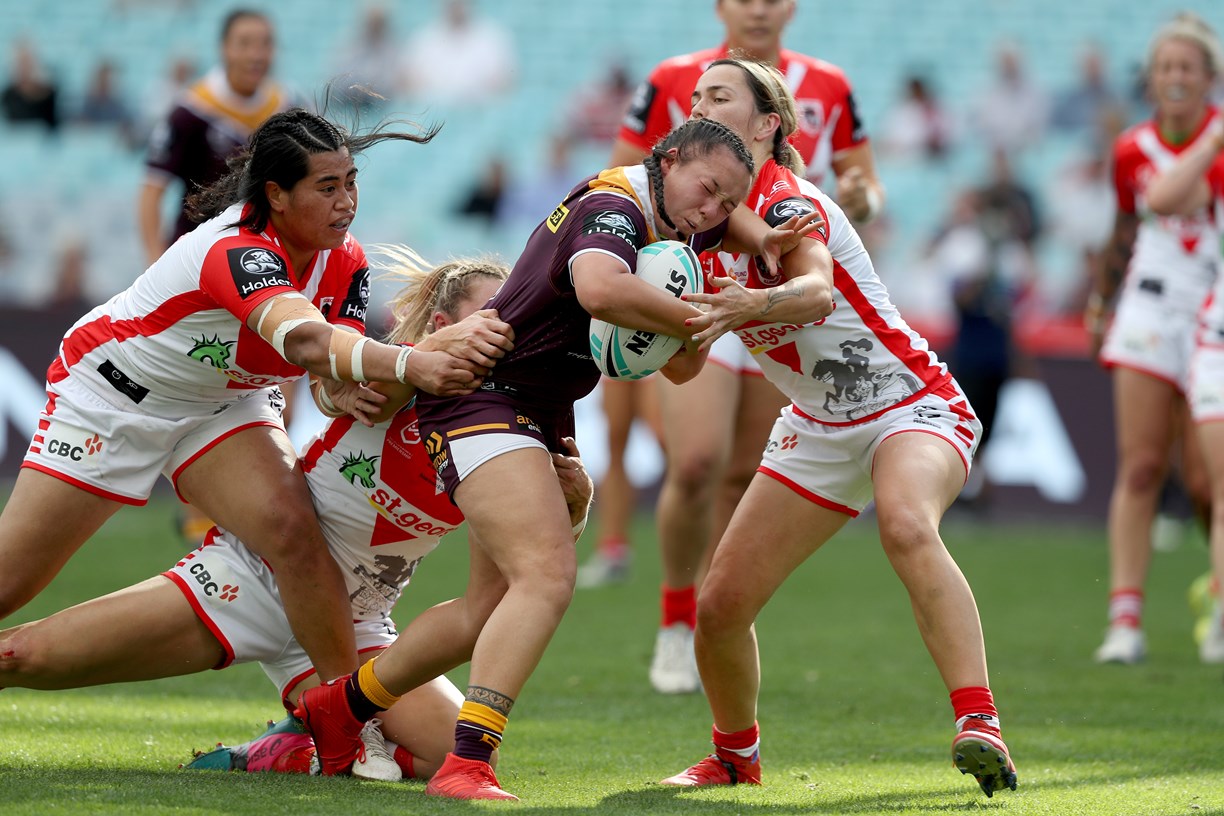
{"x":580,"y":526}
{"x":401,"y":364}
{"x":325,"y":402}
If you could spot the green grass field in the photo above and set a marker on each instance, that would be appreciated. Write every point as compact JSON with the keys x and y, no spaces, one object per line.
{"x":854,"y":718}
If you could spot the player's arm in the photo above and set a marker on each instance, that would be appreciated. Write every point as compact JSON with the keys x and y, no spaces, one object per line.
{"x":606,"y":289}
{"x":859,"y":190}
{"x":148,"y":217}
{"x":575,"y":483}
{"x":805,"y":297}
{"x":748,"y":233}
{"x":302,"y":336}
{"x":686,"y":363}
{"x":1182,"y":188}
{"x":1107,"y":275}
{"x":480,"y":333}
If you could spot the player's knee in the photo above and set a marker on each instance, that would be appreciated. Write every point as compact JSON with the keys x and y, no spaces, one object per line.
{"x":720,"y":614}
{"x":1144,"y":474}
{"x":906,"y":533}
{"x":22,"y":654}
{"x":695,"y":473}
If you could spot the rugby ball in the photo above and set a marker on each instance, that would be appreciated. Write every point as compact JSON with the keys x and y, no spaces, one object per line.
{"x":630,"y":354}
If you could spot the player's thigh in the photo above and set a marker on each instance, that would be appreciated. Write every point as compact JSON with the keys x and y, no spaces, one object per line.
{"x":1143,"y":405}
{"x":916,"y":474}
{"x":759,"y":406}
{"x":143,"y":632}
{"x":514,"y":504}
{"x":44,"y":522}
{"x":773,"y":531}
{"x":250,"y":484}
{"x":618,"y":398}
{"x":699,"y":418}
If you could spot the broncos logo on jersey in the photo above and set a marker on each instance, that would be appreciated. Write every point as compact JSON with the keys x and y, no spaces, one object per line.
{"x":611,"y":222}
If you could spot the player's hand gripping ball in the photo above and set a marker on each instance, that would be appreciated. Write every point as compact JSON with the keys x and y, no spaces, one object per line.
{"x":630,"y":354}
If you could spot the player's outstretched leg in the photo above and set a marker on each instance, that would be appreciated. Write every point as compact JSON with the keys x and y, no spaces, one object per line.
{"x":979,"y":750}
{"x":327,"y":715}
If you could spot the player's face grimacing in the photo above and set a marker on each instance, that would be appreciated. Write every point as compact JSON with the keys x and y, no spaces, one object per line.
{"x":1180,"y":78}
{"x":700,"y":193}
{"x":722,"y":95}
{"x":315,"y":213}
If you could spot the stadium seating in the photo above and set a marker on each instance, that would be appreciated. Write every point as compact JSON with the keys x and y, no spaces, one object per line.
{"x":49,"y":185}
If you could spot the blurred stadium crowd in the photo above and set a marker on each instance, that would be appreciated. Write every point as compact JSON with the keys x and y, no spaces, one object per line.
{"x":992,"y":113}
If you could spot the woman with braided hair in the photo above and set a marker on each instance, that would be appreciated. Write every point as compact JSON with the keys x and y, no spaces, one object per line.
{"x":576,"y":265}
{"x":180,"y":375}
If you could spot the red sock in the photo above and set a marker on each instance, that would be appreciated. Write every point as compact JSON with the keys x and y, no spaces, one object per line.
{"x":738,"y":742}
{"x":680,"y":606}
{"x":614,"y":547}
{"x":405,"y":760}
{"x":974,"y":701}
{"x":1126,"y":607}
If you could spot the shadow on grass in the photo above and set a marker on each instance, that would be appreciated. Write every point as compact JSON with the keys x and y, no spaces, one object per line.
{"x":103,"y":790}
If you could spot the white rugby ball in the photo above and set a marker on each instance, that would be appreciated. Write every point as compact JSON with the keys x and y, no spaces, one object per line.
{"x":630,"y":354}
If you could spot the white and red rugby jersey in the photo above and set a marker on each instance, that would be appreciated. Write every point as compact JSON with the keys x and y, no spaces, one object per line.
{"x":829,"y":122}
{"x":861,"y":360}
{"x":381,"y":505}
{"x":1174,"y":256}
{"x":178,"y":334}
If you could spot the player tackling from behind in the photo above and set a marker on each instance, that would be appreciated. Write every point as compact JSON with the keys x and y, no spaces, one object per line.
{"x":873,"y":413}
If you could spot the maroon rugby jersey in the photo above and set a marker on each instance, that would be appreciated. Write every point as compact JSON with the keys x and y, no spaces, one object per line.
{"x":550,"y":366}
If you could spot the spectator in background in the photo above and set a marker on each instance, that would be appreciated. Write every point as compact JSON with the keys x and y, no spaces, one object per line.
{"x":1091,"y":106}
{"x":166,"y":93}
{"x":596,"y":110}
{"x":1159,"y":269}
{"x":372,"y":62}
{"x":533,"y":198}
{"x":103,"y":105}
{"x":918,"y":128}
{"x":1082,"y":204}
{"x":483,"y":202}
{"x":1008,"y":206}
{"x":1011,"y":113}
{"x":30,"y":95}
{"x":211,"y":122}
{"x":459,"y":59}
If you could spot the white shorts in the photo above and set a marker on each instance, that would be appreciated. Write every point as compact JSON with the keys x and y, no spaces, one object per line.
{"x":1205,"y":393}
{"x":234,"y":593}
{"x":1151,"y":335}
{"x":730,"y":352}
{"x":118,"y":453}
{"x":831,"y":464}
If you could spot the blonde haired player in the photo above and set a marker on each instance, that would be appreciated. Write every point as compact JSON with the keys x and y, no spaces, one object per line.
{"x":381,"y":513}
{"x":179,"y":374}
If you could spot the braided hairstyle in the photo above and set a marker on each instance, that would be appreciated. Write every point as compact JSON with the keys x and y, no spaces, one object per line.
{"x":770,"y":94}
{"x":428,"y":289}
{"x":279,"y":150}
{"x":694,"y":139}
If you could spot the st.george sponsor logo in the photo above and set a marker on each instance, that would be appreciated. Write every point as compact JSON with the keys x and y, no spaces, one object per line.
{"x":757,"y":339}
{"x":389,"y":506}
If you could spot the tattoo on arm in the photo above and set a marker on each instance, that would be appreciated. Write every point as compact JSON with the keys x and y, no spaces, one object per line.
{"x":1117,"y":254}
{"x":793,"y":289}
{"x":493,"y":699}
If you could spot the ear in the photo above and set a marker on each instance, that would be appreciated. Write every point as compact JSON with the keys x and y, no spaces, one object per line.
{"x":276,"y":196}
{"x":770,"y":122}
{"x":439,"y":321}
{"x":669,"y":159}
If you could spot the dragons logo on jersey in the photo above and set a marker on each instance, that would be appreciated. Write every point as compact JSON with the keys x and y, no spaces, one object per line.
{"x":215,"y":352}
{"x":610,"y":222}
{"x":358,"y":466}
{"x":788,"y":208}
